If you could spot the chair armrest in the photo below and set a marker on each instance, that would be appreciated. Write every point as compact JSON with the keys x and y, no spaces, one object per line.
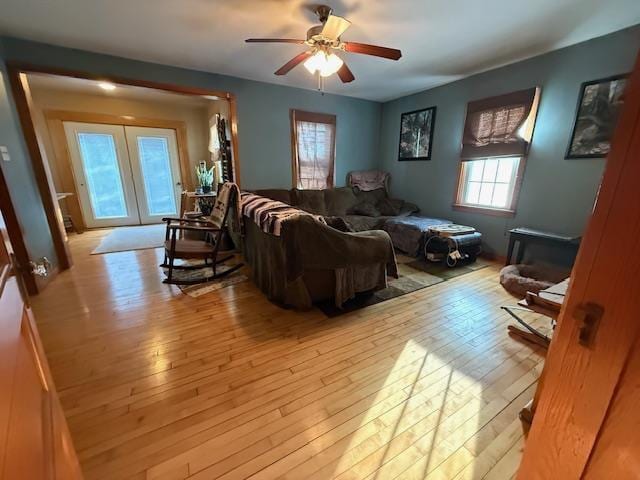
{"x":185,"y":220}
{"x":191,"y":228}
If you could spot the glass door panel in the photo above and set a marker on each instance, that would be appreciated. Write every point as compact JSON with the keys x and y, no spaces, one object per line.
{"x":102,"y":173}
{"x":155,"y":164}
{"x":156,"y":171}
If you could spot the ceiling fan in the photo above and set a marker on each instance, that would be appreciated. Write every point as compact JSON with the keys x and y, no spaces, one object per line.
{"x":323,"y":39}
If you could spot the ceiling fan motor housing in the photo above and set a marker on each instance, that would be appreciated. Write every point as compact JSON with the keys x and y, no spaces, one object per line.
{"x":323,"y":12}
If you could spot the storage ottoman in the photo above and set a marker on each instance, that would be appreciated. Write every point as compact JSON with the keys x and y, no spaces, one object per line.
{"x":409,"y":234}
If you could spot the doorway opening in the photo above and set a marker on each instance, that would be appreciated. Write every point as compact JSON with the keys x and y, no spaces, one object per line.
{"x":112,"y":152}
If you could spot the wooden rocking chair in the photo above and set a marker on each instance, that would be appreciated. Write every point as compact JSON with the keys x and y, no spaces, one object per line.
{"x":206,"y":250}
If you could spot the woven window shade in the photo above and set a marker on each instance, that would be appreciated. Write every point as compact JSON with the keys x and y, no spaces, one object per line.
{"x":498,"y":126}
{"x":313,"y":150}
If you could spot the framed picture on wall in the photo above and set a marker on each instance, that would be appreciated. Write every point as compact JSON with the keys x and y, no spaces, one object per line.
{"x":599,"y":104}
{"x":416,"y":134}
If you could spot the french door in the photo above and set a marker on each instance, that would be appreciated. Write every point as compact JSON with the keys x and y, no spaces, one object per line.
{"x":124,"y":175}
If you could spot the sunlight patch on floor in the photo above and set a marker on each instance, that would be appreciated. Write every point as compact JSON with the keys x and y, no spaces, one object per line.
{"x":416,"y":420}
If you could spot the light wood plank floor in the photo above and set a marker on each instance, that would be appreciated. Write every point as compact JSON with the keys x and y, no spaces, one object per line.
{"x":158,"y":385}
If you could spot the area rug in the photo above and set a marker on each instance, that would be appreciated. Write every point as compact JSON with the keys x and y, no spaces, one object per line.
{"x":123,"y":239}
{"x":200,"y":289}
{"x":414,"y":274}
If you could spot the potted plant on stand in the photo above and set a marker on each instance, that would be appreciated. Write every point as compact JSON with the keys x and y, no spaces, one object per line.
{"x":205,"y":177}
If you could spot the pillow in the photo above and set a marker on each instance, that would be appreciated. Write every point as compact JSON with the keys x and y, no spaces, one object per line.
{"x":390,"y":207}
{"x":364,"y":208}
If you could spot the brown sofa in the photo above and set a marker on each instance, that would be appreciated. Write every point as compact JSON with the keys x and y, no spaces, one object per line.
{"x":360,"y":211}
{"x":309,"y":261}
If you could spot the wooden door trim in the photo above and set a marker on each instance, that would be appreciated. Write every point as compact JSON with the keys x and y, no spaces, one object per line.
{"x":579,"y":386}
{"x":14,"y":231}
{"x":43,"y":182}
{"x":55,"y":119}
{"x":169,"y":87}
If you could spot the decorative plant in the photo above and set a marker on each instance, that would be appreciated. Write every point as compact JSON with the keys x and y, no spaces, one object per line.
{"x":205,"y":176}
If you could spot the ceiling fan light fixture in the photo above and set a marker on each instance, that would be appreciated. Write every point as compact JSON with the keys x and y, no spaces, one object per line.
{"x":325,"y":63}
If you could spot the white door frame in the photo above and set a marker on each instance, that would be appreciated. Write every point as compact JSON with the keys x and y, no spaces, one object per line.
{"x":132,"y":133}
{"x":72,"y":129}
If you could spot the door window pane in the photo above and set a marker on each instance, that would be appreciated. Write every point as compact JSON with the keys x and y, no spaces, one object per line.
{"x":158,"y":181}
{"x":102,"y":172}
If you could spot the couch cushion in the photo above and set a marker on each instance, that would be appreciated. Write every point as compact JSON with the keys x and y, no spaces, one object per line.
{"x":277,"y":194}
{"x":310,"y":201}
{"x":361,"y":223}
{"x":339,"y":200}
{"x":364,"y":208}
{"x":390,"y":206}
{"x":372,"y":197}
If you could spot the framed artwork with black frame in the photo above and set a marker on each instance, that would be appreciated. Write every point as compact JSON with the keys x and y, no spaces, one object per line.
{"x":416,"y":134}
{"x":596,"y":116}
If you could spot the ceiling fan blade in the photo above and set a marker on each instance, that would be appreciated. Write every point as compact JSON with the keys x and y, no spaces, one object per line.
{"x":334,"y":27}
{"x":345,"y":74}
{"x":375,"y":50}
{"x":273,"y":40}
{"x":287,"y":67}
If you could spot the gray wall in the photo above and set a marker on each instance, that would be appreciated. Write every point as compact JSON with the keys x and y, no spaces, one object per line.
{"x":20,"y":178}
{"x":263,"y":110}
{"x":557,"y":194}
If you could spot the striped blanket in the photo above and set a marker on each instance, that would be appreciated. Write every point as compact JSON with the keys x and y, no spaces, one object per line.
{"x":270,"y":214}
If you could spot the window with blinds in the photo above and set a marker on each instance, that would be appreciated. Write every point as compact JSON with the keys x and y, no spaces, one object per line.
{"x":495,"y":142}
{"x":313,"y":142}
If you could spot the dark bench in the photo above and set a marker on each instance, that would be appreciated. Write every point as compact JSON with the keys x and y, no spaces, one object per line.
{"x":525,"y":236}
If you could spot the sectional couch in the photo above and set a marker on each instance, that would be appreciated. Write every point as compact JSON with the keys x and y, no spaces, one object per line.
{"x":346,"y":208}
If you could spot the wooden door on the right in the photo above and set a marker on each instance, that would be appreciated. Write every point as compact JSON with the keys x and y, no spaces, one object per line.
{"x":586,"y":418}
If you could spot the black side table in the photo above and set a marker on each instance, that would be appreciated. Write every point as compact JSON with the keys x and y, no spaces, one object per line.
{"x":525,"y":236}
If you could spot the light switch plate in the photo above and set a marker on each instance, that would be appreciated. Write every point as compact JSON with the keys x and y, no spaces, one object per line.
{"x":4,"y":152}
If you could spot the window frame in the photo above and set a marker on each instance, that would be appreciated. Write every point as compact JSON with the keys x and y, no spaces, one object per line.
{"x":313,"y":117}
{"x":509,"y":211}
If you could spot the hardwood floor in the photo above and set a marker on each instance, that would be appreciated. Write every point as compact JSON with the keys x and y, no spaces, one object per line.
{"x":158,"y":385}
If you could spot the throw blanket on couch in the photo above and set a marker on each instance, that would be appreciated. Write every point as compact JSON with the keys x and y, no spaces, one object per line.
{"x":269,"y":214}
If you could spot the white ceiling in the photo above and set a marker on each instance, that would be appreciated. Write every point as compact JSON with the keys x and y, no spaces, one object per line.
{"x":441,"y":40}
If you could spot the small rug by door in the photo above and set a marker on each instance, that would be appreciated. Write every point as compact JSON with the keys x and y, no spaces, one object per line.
{"x":200,"y":289}
{"x":414,"y":274}
{"x":123,"y":239}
